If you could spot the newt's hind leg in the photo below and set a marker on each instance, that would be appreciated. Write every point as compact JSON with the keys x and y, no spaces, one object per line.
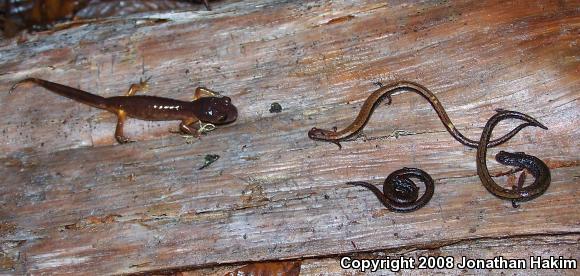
{"x":121,"y":117}
{"x":201,"y":92}
{"x":142,"y":85}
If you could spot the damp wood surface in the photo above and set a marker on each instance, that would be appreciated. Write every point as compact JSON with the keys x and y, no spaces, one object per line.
{"x":73,"y":201}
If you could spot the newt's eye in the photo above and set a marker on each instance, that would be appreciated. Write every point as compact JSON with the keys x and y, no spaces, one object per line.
{"x":227,"y":100}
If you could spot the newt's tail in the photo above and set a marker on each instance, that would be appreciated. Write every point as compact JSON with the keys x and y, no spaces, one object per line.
{"x":67,"y":91}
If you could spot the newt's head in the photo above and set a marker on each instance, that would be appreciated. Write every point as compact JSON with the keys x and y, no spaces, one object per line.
{"x":215,"y":110}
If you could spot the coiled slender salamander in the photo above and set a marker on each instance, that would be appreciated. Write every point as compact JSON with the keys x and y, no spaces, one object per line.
{"x":400,"y":193}
{"x":537,"y":167}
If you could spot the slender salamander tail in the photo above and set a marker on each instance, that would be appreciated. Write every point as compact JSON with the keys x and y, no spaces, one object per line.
{"x":531,"y":121}
{"x":358,"y":183}
{"x":380,"y":196}
{"x":21,"y":82}
{"x":13,"y":87}
{"x":510,"y":134}
{"x":540,"y":125}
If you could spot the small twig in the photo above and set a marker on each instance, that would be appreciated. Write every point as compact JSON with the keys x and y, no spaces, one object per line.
{"x":209,"y":159}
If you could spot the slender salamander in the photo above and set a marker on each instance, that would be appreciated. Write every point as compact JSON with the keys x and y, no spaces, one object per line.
{"x":400,"y":193}
{"x":534,"y":165}
{"x":385,"y":92}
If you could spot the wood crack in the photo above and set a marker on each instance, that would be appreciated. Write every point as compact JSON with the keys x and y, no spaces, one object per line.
{"x":393,"y":250}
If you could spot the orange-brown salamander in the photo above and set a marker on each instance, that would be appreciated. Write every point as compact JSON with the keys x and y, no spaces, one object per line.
{"x":385,"y":92}
{"x":206,"y":108}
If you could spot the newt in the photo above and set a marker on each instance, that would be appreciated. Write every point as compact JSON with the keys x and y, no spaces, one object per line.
{"x":207,"y":107}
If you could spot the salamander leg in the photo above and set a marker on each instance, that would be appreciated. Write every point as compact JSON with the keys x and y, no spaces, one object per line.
{"x":121,"y":117}
{"x":186,"y":127}
{"x":201,"y":92}
{"x":206,"y":4}
{"x":389,"y":100}
{"x":142,"y":85}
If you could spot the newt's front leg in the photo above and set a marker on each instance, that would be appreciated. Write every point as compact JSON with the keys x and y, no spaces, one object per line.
{"x":186,"y":126}
{"x":201,"y":92}
{"x":142,"y":85}
{"x":121,"y":117}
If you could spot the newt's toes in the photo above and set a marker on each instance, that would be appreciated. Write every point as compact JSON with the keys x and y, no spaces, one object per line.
{"x":123,"y":140}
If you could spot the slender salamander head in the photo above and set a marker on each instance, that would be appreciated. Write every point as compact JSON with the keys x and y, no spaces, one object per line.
{"x":321,"y":134}
{"x":215,"y":110}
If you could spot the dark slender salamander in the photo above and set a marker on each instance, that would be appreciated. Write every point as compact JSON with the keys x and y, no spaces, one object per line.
{"x":400,"y":193}
{"x":385,"y":92}
{"x":203,"y":109}
{"x":537,"y":167}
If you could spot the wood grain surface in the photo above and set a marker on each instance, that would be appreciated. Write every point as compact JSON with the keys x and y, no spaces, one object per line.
{"x":73,"y":201}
